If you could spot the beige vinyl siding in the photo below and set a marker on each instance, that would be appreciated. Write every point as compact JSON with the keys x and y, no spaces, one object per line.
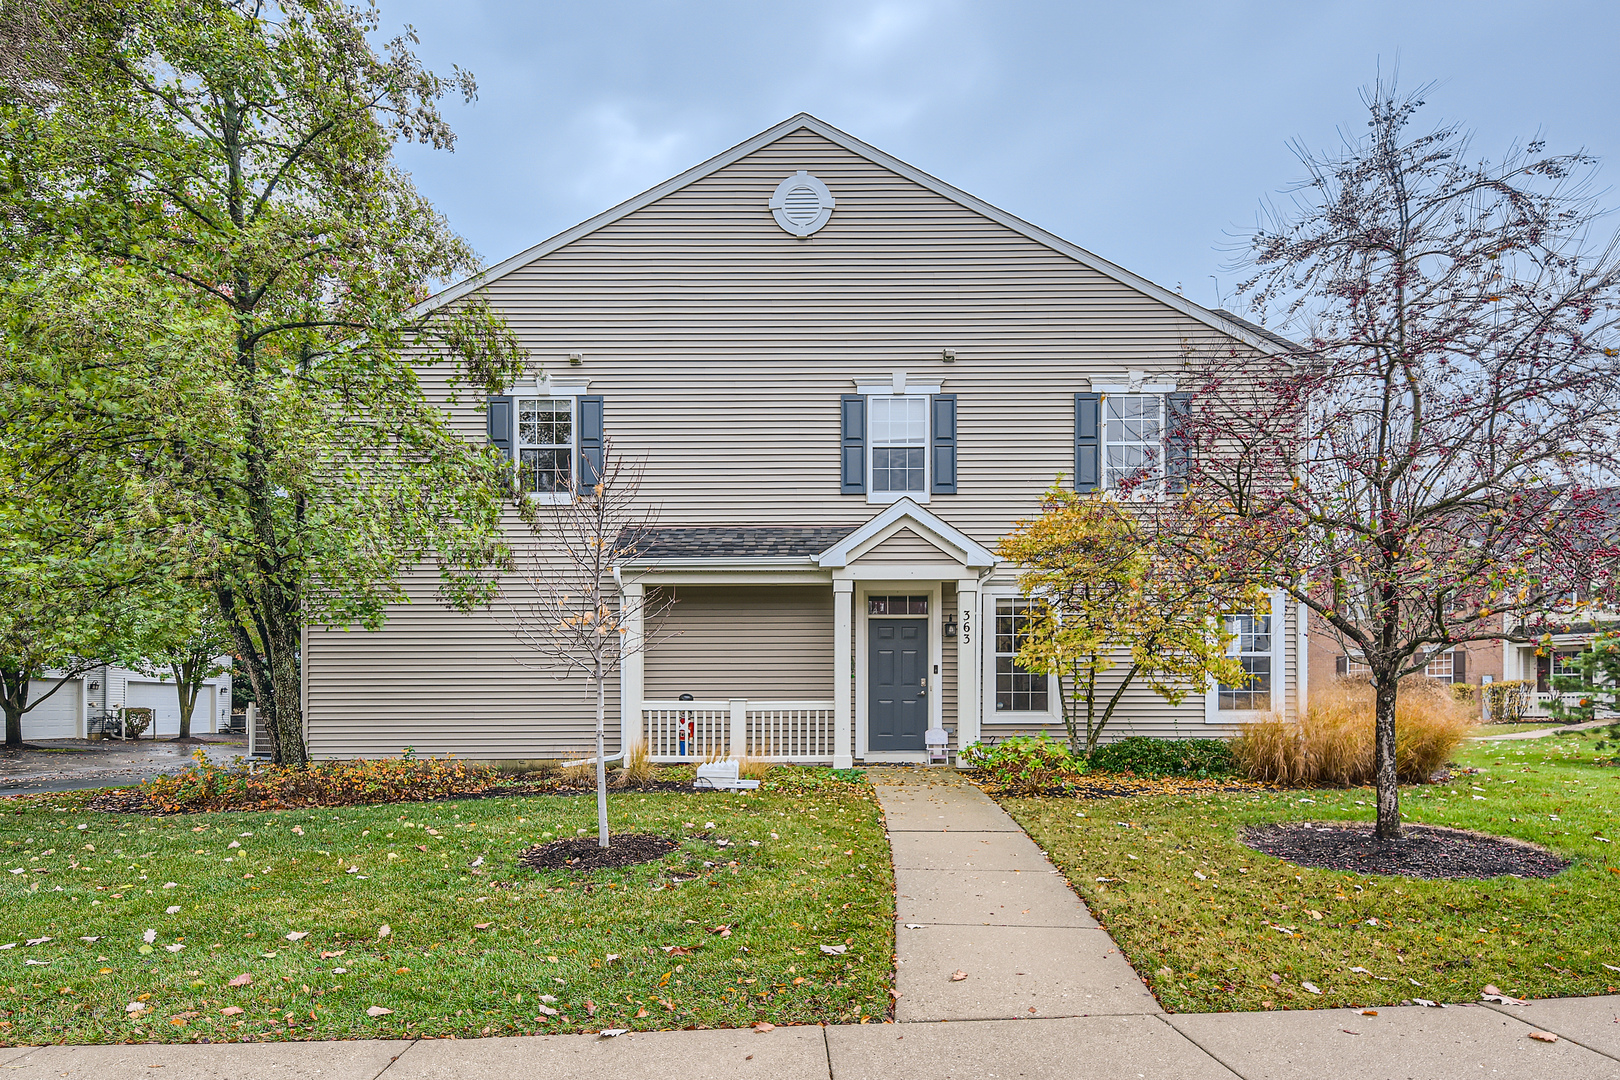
{"x":905,"y":546}
{"x":744,"y":642}
{"x":721,"y":346}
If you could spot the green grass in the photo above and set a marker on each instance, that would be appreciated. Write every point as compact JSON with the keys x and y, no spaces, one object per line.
{"x":807,"y":866}
{"x":1212,"y":944}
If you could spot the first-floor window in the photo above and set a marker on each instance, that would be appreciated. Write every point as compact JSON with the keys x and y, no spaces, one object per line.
{"x":1017,"y":690}
{"x":1441,"y":666}
{"x":1251,"y":644}
{"x":545,"y":444}
{"x":899,"y":428}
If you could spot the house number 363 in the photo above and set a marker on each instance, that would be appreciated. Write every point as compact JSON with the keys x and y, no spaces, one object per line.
{"x":967,"y":628}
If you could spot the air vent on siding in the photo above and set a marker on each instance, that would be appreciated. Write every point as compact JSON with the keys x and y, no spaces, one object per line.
{"x":802,"y":204}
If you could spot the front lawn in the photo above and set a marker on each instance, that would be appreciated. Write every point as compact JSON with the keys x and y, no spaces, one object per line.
{"x":1214,"y":925}
{"x":399,"y":913}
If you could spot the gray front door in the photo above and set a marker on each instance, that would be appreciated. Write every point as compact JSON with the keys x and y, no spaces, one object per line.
{"x":896,"y":675}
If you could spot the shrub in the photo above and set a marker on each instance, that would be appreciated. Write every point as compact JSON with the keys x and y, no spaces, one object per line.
{"x":1506,"y":701}
{"x":1333,"y":744}
{"x":1201,"y":758}
{"x":1024,"y":765}
{"x":256,"y":786}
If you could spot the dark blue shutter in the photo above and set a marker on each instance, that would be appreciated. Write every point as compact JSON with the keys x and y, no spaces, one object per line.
{"x":498,"y":420}
{"x":944,"y":441}
{"x":853,"y":445}
{"x":1178,"y":440}
{"x":1087,"y":445}
{"x":589,"y":430}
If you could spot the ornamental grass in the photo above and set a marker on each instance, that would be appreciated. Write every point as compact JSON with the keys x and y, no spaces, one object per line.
{"x":1332,"y":745}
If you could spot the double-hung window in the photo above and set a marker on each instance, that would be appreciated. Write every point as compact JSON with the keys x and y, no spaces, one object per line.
{"x":1017,"y":690}
{"x":1252,"y":646}
{"x":545,"y":445}
{"x":899,"y":451}
{"x":1133,"y":442}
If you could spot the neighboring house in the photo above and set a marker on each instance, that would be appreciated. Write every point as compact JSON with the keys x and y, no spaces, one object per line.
{"x":1558,"y":639}
{"x":65,"y":713}
{"x":847,"y":380}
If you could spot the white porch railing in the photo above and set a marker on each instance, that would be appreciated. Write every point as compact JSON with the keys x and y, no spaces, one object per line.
{"x":1540,"y":698}
{"x":715,"y":729}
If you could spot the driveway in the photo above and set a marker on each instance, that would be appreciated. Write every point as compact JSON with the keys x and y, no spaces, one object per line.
{"x":71,"y":764}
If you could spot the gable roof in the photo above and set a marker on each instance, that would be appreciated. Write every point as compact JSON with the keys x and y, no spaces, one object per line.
{"x":928,"y":525}
{"x":1222,"y":321}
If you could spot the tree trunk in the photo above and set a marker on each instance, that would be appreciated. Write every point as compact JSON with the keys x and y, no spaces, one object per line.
{"x":287,"y":722}
{"x":1389,"y":790}
{"x":1094,"y":735}
{"x":186,"y":688}
{"x":601,"y":763}
{"x":14,"y":685}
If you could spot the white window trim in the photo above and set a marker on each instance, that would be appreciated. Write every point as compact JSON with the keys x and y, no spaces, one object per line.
{"x":989,"y":714}
{"x":548,"y":391}
{"x":1149,"y":491}
{"x":883,"y":498}
{"x":1214,"y":714}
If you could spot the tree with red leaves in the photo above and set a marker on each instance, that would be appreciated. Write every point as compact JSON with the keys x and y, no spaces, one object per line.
{"x":1426,"y":467}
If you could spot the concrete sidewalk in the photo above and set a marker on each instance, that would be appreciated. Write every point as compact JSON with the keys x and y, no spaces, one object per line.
{"x":1047,"y":994}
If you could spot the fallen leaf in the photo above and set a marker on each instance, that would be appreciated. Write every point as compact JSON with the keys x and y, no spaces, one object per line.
{"x":231,"y":1010}
{"x":1502,"y":999}
{"x":135,"y":1007}
{"x":1426,"y":1003}
{"x":1276,"y":979}
{"x":172,"y":909}
{"x":384,"y":930}
{"x":610,"y":1033}
{"x":834,"y":950}
{"x":1310,"y":988}
{"x":31,"y":962}
{"x":1347,"y":1031}
{"x":482,"y":925}
{"x":612,"y":956}
{"x":149,"y":937}
{"x":763,"y":1026}
{"x":91,"y":937}
{"x":298,"y":935}
{"x":641,"y":1014}
{"x":1360,"y":971}
{"x":1369,"y":1012}
{"x":1544,"y":1036}
{"x":173,"y":948}
{"x":38,"y":941}
{"x":914,"y":926}
{"x":299,"y":829}
{"x":956,"y":976}
{"x":333,"y":955}
{"x":547,"y":1010}
{"x":1318,"y":916}
{"x":1611,"y":967}
{"x":1199,"y":876}
{"x":590,"y":1007}
{"x":378,"y":1010}
{"x":241,"y":980}
{"x":477,"y":862}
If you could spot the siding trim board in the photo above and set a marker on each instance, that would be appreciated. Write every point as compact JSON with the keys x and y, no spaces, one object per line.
{"x":1265,"y":344}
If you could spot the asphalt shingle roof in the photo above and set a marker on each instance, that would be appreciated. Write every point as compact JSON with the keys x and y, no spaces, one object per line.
{"x":733,"y":541}
{"x":1258,"y":331}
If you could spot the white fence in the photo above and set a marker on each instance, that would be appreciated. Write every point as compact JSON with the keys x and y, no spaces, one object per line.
{"x":1540,"y":698}
{"x":712,"y":730}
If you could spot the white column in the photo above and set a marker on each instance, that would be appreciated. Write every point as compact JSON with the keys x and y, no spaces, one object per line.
{"x":843,"y":683}
{"x":738,"y":742}
{"x":969,"y":651}
{"x":632,"y":666}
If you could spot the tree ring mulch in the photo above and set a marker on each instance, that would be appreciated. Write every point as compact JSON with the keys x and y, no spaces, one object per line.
{"x":584,"y":853}
{"x":1426,"y":851}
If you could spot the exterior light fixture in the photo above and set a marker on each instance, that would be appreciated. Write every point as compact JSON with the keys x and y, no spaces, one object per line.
{"x":950,"y":624}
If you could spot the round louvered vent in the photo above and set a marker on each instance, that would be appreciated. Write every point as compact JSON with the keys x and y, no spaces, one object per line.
{"x":802,"y":204}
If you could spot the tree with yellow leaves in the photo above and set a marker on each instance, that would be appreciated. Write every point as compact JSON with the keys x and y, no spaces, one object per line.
{"x":1106,"y":595}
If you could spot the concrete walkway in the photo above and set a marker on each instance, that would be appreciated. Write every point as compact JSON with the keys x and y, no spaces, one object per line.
{"x":1542,"y":733}
{"x":1047,"y":994}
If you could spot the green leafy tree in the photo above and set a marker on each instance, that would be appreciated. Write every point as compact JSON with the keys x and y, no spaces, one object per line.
{"x":181,"y":636}
{"x":1105,"y":595}
{"x":228,"y":164}
{"x":1595,"y":683}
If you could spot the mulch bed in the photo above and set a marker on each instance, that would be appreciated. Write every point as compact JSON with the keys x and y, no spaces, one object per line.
{"x":1125,"y":785}
{"x":584,"y":853}
{"x":1426,"y":851}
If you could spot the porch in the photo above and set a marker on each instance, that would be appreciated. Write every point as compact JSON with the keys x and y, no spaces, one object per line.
{"x":808,"y":644}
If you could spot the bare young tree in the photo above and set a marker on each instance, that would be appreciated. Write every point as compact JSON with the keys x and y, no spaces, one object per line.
{"x":1422,"y":472}
{"x":563,"y":602}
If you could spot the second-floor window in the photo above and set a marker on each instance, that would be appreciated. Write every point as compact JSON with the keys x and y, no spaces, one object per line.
{"x":899,"y":451}
{"x":545,"y":444}
{"x":1133,"y":441}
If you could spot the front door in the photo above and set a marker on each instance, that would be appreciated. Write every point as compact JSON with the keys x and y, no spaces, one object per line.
{"x":897,"y":681}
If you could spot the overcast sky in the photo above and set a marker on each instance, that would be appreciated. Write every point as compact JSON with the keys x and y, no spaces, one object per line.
{"x":1146,"y":132}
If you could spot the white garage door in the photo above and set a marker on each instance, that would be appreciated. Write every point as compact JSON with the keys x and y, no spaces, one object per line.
{"x":164,"y":702}
{"x":57,"y":717}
